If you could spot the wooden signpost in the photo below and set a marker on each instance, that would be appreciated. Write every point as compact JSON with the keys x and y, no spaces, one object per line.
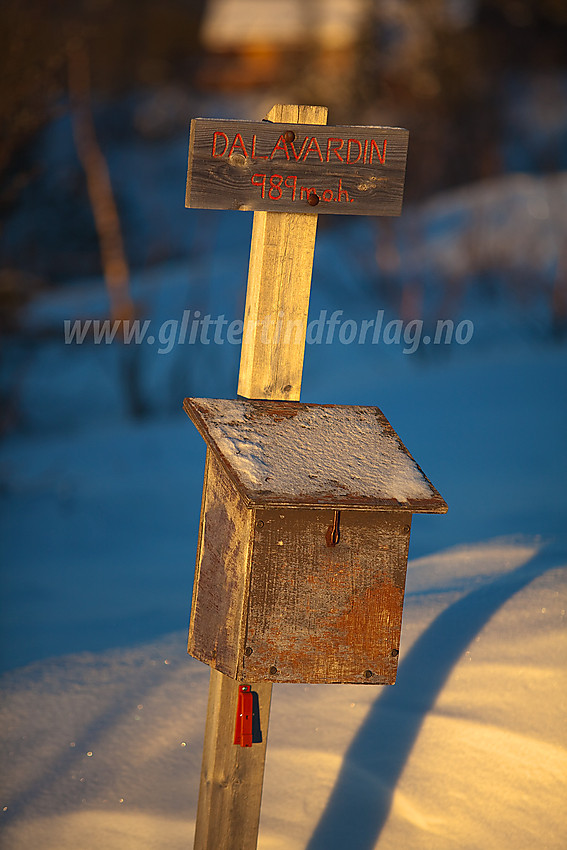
{"x":239,"y":165}
{"x":267,"y":540}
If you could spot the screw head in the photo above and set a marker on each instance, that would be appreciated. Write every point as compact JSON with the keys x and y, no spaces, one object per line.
{"x":368,"y":674}
{"x":248,"y":651}
{"x":406,"y":528}
{"x":260,"y":523}
{"x":289,"y":136}
{"x":313,"y":199}
{"x":273,"y":670}
{"x":395,"y":652}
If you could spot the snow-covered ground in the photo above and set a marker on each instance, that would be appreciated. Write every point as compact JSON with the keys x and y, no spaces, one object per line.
{"x":102,"y":710}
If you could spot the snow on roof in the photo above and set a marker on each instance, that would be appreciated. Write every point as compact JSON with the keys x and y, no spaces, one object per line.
{"x":291,"y":453}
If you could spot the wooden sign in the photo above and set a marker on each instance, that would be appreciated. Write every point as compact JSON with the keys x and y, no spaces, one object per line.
{"x":306,"y":168}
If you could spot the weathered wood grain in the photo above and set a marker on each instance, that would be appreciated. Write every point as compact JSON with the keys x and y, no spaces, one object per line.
{"x":338,"y":475}
{"x":279,"y":285}
{"x":230,"y":794}
{"x":245,"y":165}
{"x":216,"y":630}
{"x":321,"y":614}
{"x":276,"y":603}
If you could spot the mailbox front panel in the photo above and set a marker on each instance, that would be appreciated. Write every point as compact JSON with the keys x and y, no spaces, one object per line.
{"x":320,"y":613}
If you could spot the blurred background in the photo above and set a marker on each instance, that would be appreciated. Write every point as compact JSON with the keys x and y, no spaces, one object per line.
{"x":100,"y":471}
{"x":96,"y":100}
{"x":102,"y":711}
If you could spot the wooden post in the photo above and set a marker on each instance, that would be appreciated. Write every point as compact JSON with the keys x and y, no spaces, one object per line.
{"x":279,"y":283}
{"x":271,"y":365}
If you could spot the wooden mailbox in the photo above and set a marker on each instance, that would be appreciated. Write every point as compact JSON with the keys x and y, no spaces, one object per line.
{"x":303,"y":542}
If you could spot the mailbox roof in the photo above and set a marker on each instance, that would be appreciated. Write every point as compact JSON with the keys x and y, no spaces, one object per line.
{"x":288,"y":453}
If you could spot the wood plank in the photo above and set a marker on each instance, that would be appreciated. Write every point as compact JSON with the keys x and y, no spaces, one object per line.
{"x":245,"y":165}
{"x":338,"y":621}
{"x":220,"y":595}
{"x":228,"y":812}
{"x":346,"y":456}
{"x":277,"y":295}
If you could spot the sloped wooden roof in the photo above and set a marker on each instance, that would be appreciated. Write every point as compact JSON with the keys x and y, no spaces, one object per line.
{"x":283,"y":453}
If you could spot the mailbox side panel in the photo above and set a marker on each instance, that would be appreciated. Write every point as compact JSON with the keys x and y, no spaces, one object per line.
{"x":216,"y":630}
{"x":321,"y":614}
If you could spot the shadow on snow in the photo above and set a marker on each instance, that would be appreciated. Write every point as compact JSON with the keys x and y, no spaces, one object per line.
{"x":358,"y":809}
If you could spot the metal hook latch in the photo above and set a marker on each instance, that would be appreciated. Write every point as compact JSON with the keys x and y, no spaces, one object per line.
{"x":333,"y":534}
